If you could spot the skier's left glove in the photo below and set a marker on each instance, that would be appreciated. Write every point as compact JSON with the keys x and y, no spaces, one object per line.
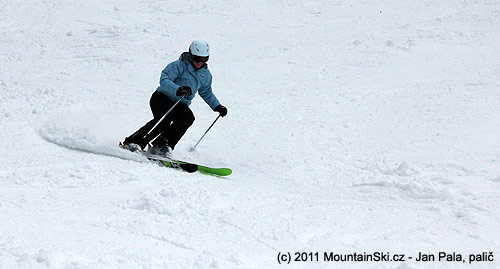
{"x":221,"y":109}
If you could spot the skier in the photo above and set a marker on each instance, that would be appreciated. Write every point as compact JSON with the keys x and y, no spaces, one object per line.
{"x":180,"y":80}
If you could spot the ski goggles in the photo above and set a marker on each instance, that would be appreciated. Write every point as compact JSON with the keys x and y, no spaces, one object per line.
{"x":200,"y":59}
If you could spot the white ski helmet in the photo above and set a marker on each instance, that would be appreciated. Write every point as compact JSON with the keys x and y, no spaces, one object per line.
{"x":199,"y":48}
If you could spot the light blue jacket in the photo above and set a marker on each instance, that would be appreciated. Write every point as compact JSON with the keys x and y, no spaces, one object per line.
{"x":182,"y":73}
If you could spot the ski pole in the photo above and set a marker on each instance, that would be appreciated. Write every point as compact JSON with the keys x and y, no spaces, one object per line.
{"x":205,"y":133}
{"x":148,"y":137}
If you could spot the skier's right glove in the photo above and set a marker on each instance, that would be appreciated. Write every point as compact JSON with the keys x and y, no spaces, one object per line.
{"x":184,"y":90}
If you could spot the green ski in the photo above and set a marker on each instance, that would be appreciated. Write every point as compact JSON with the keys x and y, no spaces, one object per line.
{"x":206,"y":169}
{"x":183,"y":165}
{"x":188,"y":166}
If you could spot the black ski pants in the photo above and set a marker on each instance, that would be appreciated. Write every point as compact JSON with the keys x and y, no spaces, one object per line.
{"x":171,"y":128}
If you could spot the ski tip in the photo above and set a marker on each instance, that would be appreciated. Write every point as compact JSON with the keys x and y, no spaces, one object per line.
{"x":227,"y":172}
{"x":215,"y":171}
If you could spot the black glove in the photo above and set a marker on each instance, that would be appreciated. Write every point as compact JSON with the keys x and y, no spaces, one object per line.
{"x":221,"y":109}
{"x":184,"y":90}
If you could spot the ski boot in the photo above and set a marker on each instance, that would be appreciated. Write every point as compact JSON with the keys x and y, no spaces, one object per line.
{"x":131,"y":147}
{"x":160,"y":150}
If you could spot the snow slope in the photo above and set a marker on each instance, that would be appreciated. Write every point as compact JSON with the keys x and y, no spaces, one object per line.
{"x":352,"y":127}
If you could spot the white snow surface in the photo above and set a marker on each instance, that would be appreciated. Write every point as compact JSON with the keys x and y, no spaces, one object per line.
{"x":353,"y":126}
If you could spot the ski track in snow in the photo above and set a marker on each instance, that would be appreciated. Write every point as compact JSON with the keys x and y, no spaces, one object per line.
{"x":352,"y":127}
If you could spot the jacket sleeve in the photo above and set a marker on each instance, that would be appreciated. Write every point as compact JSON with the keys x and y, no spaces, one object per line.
{"x":208,"y":96}
{"x":167,"y":78}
